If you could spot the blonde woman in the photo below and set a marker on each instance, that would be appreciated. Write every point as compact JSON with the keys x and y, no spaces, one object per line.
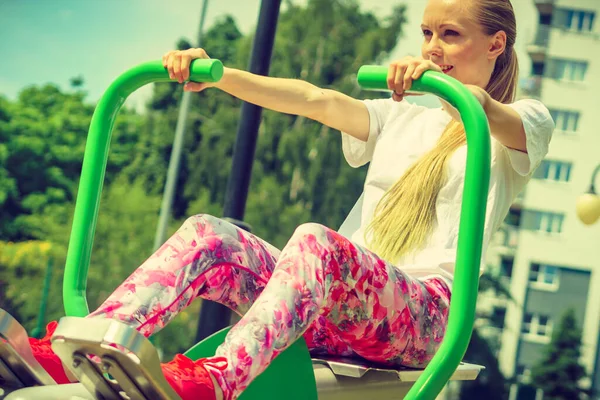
{"x":382,"y":294}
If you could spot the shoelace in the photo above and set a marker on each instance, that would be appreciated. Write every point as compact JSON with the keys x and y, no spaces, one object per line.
{"x":43,"y":345}
{"x":182,"y":365}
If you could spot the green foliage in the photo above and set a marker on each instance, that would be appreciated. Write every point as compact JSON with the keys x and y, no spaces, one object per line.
{"x":22,"y":269}
{"x":559,"y":372}
{"x":40,"y":160}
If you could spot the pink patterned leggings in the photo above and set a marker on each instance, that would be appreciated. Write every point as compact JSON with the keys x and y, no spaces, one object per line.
{"x":342,"y":298}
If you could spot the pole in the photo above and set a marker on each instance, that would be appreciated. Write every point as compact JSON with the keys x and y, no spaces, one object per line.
{"x":594,"y":175}
{"x":39,"y":326}
{"x":174,"y":161}
{"x":214,"y":316}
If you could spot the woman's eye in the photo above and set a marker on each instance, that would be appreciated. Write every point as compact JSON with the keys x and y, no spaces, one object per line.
{"x":451,"y":32}
{"x":426,"y":32}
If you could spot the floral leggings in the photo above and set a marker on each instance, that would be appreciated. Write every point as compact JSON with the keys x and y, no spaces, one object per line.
{"x":343,"y":299}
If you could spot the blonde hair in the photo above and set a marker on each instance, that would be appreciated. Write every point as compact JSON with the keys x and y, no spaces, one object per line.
{"x":404,"y":216}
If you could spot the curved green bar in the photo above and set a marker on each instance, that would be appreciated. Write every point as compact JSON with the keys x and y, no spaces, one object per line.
{"x":94,"y":166}
{"x":472,"y":220}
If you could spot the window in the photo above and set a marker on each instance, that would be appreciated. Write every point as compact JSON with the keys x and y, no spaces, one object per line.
{"x":508,"y":236}
{"x":554,"y":171}
{"x":497,"y":317}
{"x":545,"y":19}
{"x":522,"y":371}
{"x":537,"y":325}
{"x":570,"y":70}
{"x":544,"y":274}
{"x":537,"y":68}
{"x":542,"y":221}
{"x":506,"y":266}
{"x":565,"y":120}
{"x":574,"y":20}
{"x":514,"y":217}
{"x":527,"y":323}
{"x":544,"y":328}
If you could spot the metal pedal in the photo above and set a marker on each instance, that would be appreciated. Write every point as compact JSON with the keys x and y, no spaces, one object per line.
{"x":356,"y":368}
{"x":18,"y":367}
{"x":353,"y":379}
{"x":91,"y":349}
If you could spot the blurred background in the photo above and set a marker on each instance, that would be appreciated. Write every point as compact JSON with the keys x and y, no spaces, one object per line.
{"x":538,"y":325}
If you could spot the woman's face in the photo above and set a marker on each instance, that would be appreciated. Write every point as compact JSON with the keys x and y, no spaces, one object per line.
{"x":456,"y":42}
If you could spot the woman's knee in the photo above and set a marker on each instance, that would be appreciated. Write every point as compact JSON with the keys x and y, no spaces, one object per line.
{"x":208,"y":225}
{"x":205,"y":219}
{"x":308,"y":232}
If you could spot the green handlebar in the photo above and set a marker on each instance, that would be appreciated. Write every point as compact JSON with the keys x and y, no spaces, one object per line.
{"x":372,"y":77}
{"x":472,"y":220}
{"x":94,"y":166}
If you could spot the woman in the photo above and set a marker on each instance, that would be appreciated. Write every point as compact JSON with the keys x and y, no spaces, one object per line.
{"x":384,"y":294}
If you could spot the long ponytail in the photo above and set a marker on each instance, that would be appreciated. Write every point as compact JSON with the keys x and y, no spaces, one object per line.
{"x":404,"y":217}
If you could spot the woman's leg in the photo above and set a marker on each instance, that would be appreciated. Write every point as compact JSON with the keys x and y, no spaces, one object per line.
{"x":207,"y":257}
{"x":374,"y":308}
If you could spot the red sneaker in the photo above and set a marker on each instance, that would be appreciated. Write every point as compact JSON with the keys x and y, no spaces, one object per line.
{"x":190,"y":379}
{"x":42,"y":351}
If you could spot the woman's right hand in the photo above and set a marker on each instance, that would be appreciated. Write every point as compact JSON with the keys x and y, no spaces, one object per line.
{"x":401,"y":74}
{"x":177,"y":62}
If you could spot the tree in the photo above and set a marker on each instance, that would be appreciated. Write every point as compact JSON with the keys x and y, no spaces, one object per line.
{"x":22,"y":269}
{"x":77,"y":81}
{"x":43,"y":139}
{"x":559,"y":371}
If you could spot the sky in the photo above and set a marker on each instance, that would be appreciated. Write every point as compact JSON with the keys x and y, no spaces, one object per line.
{"x":54,"y":40}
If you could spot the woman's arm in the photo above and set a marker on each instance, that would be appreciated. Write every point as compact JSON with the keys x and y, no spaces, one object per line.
{"x":506,"y":125}
{"x":290,"y":96}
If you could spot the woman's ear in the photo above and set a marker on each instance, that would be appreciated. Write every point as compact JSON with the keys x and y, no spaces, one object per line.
{"x":497,"y":45}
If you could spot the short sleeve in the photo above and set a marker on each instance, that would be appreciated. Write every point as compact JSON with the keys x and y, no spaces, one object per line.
{"x":538,"y":126}
{"x":357,"y":152}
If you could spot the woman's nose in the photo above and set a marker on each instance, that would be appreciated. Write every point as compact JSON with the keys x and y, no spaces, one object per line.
{"x":433,"y":48}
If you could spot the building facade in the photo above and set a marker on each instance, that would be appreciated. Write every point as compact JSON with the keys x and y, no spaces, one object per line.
{"x":547,"y":257}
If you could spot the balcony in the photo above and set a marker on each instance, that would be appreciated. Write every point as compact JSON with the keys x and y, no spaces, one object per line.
{"x":544,"y":6}
{"x":507,"y":238}
{"x":531,"y":87}
{"x":511,"y":237}
{"x":538,"y":47}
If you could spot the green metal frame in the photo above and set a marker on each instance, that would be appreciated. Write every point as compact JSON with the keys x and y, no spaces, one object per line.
{"x":290,"y":375}
{"x":94,"y":167}
{"x":472,"y":221}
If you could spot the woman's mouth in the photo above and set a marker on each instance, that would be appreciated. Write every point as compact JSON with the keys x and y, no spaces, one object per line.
{"x":446,"y":68}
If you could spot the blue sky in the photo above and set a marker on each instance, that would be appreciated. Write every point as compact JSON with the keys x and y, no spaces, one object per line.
{"x":53,"y":40}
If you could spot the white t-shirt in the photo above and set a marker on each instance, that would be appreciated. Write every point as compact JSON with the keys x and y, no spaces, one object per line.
{"x":400,"y":133}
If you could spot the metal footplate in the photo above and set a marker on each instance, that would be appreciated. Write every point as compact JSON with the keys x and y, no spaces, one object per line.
{"x":91,"y":349}
{"x":18,"y":367}
{"x":355,"y":368}
{"x":353,"y":379}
